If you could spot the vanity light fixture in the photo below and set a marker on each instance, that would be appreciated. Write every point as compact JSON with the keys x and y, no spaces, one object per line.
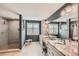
{"x":47,"y":22}
{"x":68,"y":9}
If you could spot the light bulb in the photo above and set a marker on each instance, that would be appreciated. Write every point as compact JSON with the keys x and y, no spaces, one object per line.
{"x":68,"y":9}
{"x":47,"y":22}
{"x":62,"y":12}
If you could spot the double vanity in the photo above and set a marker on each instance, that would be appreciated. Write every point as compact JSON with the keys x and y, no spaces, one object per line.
{"x":54,"y":46}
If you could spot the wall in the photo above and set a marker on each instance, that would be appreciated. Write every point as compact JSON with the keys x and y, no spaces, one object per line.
{"x":3,"y":34}
{"x":64,"y":32}
{"x":22,"y":34}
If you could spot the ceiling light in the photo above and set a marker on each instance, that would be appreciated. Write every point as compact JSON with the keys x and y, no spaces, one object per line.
{"x":68,"y":9}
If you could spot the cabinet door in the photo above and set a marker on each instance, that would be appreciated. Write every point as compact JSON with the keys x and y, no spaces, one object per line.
{"x":56,"y":52}
{"x":49,"y":50}
{"x":52,"y":51}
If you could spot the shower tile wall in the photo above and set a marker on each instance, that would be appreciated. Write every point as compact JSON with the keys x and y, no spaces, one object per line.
{"x":9,"y":34}
{"x":3,"y":34}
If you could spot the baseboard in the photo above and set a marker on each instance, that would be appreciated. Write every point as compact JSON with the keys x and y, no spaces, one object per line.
{"x":9,"y":50}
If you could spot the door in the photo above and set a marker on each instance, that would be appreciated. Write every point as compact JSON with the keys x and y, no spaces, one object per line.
{"x":33,"y":30}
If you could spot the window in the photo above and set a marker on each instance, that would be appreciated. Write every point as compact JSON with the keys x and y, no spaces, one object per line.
{"x":53,"y":28}
{"x":32,"y":28}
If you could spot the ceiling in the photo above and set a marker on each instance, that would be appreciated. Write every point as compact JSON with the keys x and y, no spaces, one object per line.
{"x":31,"y":11}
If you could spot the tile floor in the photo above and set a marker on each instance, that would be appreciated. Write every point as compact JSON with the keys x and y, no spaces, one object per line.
{"x":32,"y":49}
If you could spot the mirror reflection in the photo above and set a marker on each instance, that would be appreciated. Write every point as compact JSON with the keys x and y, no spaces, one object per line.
{"x":65,"y":30}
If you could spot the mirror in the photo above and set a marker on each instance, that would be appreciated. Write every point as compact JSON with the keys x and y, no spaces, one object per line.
{"x":66,"y":28}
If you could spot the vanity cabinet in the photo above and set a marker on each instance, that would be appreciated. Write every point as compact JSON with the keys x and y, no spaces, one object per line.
{"x":52,"y":51}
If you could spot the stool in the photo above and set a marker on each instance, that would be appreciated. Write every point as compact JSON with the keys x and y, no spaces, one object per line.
{"x":28,"y":41}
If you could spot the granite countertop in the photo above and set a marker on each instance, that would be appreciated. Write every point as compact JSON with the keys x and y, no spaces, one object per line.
{"x":46,"y":38}
{"x":69,"y":49}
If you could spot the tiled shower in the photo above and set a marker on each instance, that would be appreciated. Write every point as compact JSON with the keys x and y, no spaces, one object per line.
{"x":9,"y":34}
